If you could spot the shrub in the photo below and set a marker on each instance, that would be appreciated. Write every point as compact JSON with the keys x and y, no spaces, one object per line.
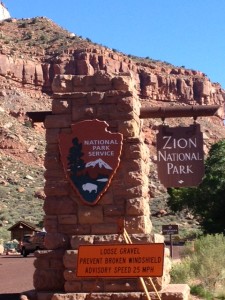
{"x":199,"y":290}
{"x":181,"y":273}
{"x":204,"y":263}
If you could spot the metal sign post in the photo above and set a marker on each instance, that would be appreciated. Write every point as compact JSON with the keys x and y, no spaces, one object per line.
{"x":170,"y":230}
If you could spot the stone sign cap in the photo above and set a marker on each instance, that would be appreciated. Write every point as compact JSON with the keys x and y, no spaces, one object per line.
{"x":180,"y":157}
{"x":90,"y":155}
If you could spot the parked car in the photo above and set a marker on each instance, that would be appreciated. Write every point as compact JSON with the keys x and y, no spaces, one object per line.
{"x":10,"y":246}
{"x":31,"y":243}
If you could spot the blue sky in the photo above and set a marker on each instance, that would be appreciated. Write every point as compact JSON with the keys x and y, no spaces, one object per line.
{"x":188,"y":33}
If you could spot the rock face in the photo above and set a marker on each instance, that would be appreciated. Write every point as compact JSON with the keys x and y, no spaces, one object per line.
{"x":153,"y":82}
{"x":36,"y":60}
{"x":4,"y":13}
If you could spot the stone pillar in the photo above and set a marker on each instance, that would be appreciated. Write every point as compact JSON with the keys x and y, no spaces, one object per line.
{"x":70,"y":223}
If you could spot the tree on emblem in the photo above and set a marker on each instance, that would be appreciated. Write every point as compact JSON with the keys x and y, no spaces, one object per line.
{"x":75,"y":161}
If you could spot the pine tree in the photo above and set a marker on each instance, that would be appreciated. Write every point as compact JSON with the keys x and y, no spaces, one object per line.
{"x":76,"y":163}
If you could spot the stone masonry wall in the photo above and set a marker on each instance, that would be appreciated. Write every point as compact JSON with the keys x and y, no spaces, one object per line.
{"x":68,"y":222}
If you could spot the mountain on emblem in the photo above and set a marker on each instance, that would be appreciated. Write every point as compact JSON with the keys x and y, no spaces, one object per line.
{"x":98,"y":162}
{"x":90,"y":157}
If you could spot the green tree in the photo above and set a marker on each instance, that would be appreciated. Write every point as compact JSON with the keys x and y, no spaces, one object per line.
{"x":207,"y":201}
{"x":75,"y":161}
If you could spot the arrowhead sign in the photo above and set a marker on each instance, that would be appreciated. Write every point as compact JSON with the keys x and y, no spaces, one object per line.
{"x":180,"y":157}
{"x":90,"y":156}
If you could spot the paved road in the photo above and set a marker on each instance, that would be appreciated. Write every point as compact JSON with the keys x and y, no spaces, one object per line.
{"x":16,"y":274}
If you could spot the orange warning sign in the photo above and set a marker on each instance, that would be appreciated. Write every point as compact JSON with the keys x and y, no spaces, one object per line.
{"x":128,"y":260}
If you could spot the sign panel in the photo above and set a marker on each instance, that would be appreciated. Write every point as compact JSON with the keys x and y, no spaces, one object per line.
{"x":180,"y":157}
{"x":169,"y":229}
{"x":90,"y":155}
{"x":128,"y":260}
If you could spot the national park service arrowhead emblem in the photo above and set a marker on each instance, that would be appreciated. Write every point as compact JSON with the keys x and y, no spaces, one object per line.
{"x":90,"y":155}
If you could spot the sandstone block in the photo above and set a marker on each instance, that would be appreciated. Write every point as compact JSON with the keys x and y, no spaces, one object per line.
{"x":167,"y":265}
{"x":93,"y":285}
{"x":95,"y":97}
{"x":141,"y":238}
{"x":59,"y":205}
{"x":52,"y":161}
{"x":73,"y":286}
{"x":132,"y":151}
{"x":90,"y":215}
{"x":134,"y":165}
{"x":52,"y":136}
{"x":58,"y":121}
{"x":83,"y":113}
{"x":67,"y":219}
{"x":73,"y":296}
{"x":116,"y":96}
{"x":109,"y":238}
{"x":70,"y":275}
{"x":158,"y":238}
{"x":129,"y":128}
{"x":122,"y":285}
{"x":137,"y":191}
{"x":47,"y":280}
{"x":138,"y":224}
{"x":103,"y":78}
{"x":133,"y":179}
{"x":56,"y":264}
{"x":42,"y":263}
{"x":137,"y":207}
{"x":83,"y":83}
{"x":107,"y":198}
{"x":75,"y":229}
{"x":62,"y":84}
{"x":51,"y":223}
{"x":127,"y":296}
{"x":121,"y":115}
{"x":70,"y":259}
{"x":157,"y":281}
{"x":49,"y":254}
{"x":78,"y":240}
{"x":96,"y":296}
{"x":104,"y":229}
{"x":55,"y":173}
{"x":56,"y":241}
{"x":60,"y":188}
{"x":61,"y":106}
{"x":176,"y":291}
{"x":122,"y":83}
{"x":114,"y":210}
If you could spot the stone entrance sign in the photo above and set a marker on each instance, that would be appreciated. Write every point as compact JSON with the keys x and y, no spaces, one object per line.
{"x":94,"y":120}
{"x":90,"y":155}
{"x":180,"y":158}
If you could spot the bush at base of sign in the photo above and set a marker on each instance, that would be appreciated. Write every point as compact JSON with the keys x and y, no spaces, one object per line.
{"x":203,"y":263}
